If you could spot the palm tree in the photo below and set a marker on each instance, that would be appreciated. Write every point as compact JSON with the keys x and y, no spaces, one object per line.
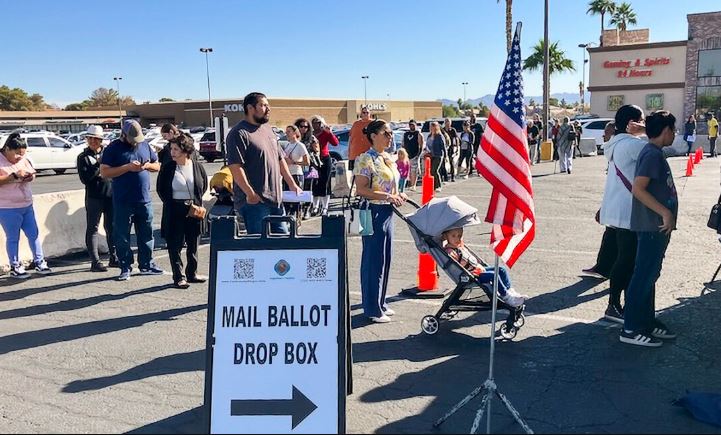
{"x":509,"y":23}
{"x":601,"y":7}
{"x":622,"y":16}
{"x":558,"y":62}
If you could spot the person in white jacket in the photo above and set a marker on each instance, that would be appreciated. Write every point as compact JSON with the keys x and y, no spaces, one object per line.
{"x":622,"y":153}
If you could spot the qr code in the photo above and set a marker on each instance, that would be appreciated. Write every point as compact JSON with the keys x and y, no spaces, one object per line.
{"x":244,"y":268}
{"x":316,"y":268}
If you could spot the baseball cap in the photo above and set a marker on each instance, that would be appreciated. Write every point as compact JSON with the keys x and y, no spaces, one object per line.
{"x":94,"y":131}
{"x":132,"y":131}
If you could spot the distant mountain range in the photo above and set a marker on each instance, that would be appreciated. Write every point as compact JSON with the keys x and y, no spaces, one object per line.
{"x":488,"y":99}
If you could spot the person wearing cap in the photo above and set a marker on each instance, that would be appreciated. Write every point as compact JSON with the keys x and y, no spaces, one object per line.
{"x":357,"y":140}
{"x":98,"y":199}
{"x":128,"y":161}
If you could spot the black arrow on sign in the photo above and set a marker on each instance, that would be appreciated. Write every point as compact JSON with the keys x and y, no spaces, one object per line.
{"x":298,"y":407}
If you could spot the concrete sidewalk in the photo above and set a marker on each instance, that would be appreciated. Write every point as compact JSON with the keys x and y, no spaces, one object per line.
{"x":82,"y":353}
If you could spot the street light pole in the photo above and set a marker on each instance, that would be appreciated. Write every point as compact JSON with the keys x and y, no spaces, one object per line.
{"x":583,"y":76}
{"x":365,"y":89}
{"x":120,"y":108}
{"x":207,"y":75}
{"x":464,"y":91}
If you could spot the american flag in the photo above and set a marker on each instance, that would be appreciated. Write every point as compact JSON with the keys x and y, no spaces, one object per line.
{"x":503,"y":161}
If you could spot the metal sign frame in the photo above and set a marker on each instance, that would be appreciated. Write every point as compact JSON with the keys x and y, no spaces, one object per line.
{"x":224,"y":237}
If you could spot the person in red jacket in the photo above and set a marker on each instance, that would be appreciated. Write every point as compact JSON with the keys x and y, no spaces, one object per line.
{"x":322,"y":132}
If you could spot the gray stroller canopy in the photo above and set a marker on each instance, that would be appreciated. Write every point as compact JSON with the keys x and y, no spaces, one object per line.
{"x":439,"y":215}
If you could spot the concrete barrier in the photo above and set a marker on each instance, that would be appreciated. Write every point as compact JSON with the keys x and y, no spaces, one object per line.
{"x":61,"y":220}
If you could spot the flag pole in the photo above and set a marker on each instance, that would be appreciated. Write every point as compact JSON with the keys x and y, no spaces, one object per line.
{"x":489,"y":387}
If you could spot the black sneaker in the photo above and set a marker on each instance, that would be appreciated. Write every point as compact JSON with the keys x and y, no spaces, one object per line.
{"x":639,"y":339}
{"x":113,"y":262}
{"x":98,"y":267}
{"x":614,"y":314}
{"x":661,"y":331}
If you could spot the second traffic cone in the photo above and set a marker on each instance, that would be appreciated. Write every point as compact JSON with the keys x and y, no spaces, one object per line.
{"x":689,"y":167}
{"x":697,"y":157}
{"x":427,"y":270}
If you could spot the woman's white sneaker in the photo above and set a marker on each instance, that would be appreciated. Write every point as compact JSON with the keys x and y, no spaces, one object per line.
{"x":19,"y":272}
{"x":381,"y":319}
{"x":42,"y":268}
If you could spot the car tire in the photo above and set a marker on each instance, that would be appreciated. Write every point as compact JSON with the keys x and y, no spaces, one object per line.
{"x":60,"y":171}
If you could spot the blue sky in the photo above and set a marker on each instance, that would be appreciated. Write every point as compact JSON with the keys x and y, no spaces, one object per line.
{"x":312,"y":48}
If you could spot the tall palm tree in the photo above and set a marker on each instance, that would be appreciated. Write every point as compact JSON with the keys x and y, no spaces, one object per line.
{"x":601,"y":7}
{"x":622,"y":16}
{"x":509,"y":23}
{"x":558,"y":62}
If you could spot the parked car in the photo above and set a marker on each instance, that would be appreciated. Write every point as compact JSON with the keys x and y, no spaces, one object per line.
{"x":456,"y":123}
{"x":593,"y":128}
{"x":209,"y":147}
{"x":49,"y":152}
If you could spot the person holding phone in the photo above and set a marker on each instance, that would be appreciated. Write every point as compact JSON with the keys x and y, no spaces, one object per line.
{"x":128,"y":161}
{"x":16,"y":206}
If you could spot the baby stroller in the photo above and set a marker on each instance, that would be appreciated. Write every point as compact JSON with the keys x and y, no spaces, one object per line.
{"x":427,"y":225}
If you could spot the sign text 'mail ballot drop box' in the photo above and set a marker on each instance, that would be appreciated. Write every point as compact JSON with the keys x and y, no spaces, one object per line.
{"x":278,"y":342}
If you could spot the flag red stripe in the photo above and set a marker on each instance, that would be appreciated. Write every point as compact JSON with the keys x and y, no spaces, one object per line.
{"x":513,"y":141}
{"x":508,"y":193}
{"x":496,"y":153}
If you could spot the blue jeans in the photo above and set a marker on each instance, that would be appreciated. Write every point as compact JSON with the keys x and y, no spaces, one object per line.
{"x":376,"y":261}
{"x":504,"y":279}
{"x":13,"y":220}
{"x":253,"y":215}
{"x":142,"y":215}
{"x":640,"y":309}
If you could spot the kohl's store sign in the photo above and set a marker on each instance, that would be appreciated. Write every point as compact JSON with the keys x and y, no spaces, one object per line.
{"x":235,"y":107}
{"x":375,"y":107}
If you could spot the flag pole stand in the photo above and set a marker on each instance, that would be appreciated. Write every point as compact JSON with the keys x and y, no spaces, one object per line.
{"x":489,"y":387}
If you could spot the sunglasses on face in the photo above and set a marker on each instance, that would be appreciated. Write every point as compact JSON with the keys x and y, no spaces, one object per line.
{"x":365,"y":113}
{"x":304,"y":126}
{"x":387,"y":134}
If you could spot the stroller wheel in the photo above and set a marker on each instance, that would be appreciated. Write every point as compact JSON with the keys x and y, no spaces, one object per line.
{"x":429,"y":325}
{"x":520,"y":321}
{"x":508,"y":333}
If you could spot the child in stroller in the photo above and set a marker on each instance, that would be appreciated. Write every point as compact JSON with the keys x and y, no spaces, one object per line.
{"x":457,"y":250}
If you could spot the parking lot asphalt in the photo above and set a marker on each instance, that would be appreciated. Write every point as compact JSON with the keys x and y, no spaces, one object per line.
{"x":82,"y":353}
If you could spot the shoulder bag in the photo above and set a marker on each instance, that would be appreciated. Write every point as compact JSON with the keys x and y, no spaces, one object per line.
{"x":713,"y":219}
{"x":194,"y":211}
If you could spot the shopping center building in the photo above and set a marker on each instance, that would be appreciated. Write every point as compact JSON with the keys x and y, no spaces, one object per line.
{"x":283,"y":111}
{"x":683,"y":77}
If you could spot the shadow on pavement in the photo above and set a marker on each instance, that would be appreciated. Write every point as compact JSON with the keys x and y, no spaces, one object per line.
{"x":167,"y":365}
{"x":42,"y":337}
{"x":23,"y":293}
{"x":76,"y":304}
{"x":192,"y":422}
{"x":580,"y":379}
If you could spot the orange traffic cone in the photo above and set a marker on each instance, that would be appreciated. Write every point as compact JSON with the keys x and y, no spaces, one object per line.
{"x":427,"y":271}
{"x":697,"y":157}
{"x":700,"y":154}
{"x":689,"y":167}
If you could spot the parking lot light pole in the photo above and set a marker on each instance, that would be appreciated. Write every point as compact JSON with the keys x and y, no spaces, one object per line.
{"x":365,"y":90}
{"x":207,"y":74}
{"x":464,"y":91}
{"x":120,"y":108}
{"x":583,"y":76}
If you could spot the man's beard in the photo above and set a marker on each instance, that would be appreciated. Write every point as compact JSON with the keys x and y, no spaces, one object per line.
{"x":262,"y":119}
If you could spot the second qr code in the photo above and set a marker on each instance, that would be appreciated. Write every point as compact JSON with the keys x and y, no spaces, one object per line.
{"x":316,"y":268}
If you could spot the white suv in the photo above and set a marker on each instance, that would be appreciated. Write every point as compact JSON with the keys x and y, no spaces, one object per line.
{"x":49,"y":152}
